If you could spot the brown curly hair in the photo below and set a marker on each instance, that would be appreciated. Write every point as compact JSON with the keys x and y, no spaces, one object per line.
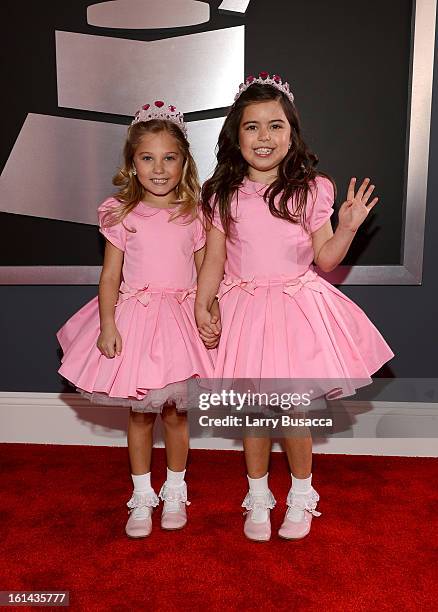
{"x":296,"y":173}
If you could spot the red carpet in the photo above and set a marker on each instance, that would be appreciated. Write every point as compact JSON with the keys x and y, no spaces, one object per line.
{"x":63,"y":514}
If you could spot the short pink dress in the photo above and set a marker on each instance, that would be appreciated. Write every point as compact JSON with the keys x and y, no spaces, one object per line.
{"x":281,"y":321}
{"x":161,"y":347}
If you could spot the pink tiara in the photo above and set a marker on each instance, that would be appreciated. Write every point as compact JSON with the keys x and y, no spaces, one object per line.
{"x":265,"y":78}
{"x":160,"y":111}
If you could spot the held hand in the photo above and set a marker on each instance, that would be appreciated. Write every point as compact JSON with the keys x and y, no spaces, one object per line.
{"x":109,"y":342}
{"x":355,"y":209}
{"x":210,"y":333}
{"x":216,"y":315}
{"x":208,"y":327}
{"x":211,"y":341}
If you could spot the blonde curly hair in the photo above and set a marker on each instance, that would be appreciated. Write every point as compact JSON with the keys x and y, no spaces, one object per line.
{"x":131,"y":191}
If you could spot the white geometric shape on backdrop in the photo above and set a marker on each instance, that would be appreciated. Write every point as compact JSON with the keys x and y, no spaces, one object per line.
{"x":148,"y":14}
{"x":61,"y":168}
{"x":234,"y":6}
{"x":114,"y":75}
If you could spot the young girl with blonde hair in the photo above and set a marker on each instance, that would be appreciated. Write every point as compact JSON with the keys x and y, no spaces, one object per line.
{"x":137,"y":344}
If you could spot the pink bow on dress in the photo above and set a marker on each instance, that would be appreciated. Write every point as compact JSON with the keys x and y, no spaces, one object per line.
{"x":228,"y":284}
{"x":144,"y":295}
{"x":290,"y":286}
{"x":127,"y":292}
{"x":184,"y":294}
{"x":308,"y":279}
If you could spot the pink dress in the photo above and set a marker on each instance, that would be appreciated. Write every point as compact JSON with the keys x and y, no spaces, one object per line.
{"x":281,"y":321}
{"x":154,"y":315}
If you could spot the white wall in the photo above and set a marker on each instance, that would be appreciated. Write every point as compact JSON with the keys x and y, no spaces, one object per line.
{"x":362,"y":428}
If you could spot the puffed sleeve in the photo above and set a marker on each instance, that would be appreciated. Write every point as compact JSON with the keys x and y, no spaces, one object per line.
{"x":116,"y":234}
{"x":321,"y":207}
{"x":216,"y":220}
{"x":199,"y":232}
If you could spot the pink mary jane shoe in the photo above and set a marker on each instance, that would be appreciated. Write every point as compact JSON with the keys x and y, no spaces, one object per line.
{"x":174,"y":515}
{"x":140,"y":506}
{"x":295,"y":530}
{"x":258,"y":523}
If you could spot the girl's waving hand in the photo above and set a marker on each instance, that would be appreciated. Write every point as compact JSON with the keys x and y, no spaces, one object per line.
{"x":355,"y":209}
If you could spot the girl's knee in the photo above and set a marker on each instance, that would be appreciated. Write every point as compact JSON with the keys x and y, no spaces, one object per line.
{"x":172,"y":418}
{"x":145,"y":419}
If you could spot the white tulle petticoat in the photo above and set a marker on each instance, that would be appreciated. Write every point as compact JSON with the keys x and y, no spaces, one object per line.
{"x":176,"y":394}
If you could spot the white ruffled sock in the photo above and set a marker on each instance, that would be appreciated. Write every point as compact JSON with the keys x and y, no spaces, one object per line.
{"x":300,"y":486}
{"x":142,"y":482}
{"x":142,"y":486}
{"x":174,"y":480}
{"x":259,"y":489}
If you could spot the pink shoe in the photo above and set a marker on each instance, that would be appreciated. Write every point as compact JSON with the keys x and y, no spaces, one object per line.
{"x":293,"y":530}
{"x":174,"y":515}
{"x":258,"y":505}
{"x":139,"y":524}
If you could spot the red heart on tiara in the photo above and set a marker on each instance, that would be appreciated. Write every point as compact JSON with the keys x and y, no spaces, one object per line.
{"x":250,"y":79}
{"x":159,"y":103}
{"x":276,"y":78}
{"x":146,"y":106}
{"x":263,"y":75}
{"x":172,"y":108}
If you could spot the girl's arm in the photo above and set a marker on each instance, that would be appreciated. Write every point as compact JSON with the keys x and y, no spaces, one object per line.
{"x":214,"y":310}
{"x":209,"y":336}
{"x":109,"y":342}
{"x":330,"y":249}
{"x":209,"y":278}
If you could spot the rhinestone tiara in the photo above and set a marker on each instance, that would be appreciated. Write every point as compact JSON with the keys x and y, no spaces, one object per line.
{"x":159,"y":110}
{"x":265,"y":78}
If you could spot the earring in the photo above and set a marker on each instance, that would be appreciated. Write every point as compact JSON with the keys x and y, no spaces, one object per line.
{"x":290,"y":144}
{"x":134,"y":172}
